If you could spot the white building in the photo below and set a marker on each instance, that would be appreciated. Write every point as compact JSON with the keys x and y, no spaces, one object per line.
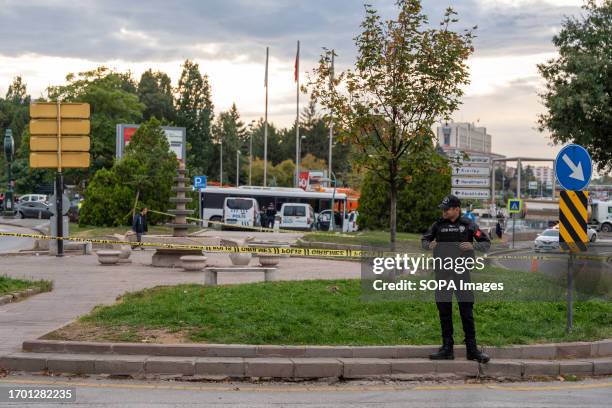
{"x":544,"y":174}
{"x":464,"y":136}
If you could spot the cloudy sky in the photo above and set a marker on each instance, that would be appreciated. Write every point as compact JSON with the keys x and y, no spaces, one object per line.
{"x":43,"y":40}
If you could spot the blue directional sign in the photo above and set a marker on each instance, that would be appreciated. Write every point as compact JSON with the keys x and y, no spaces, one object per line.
{"x":574,"y":167}
{"x":199,"y":182}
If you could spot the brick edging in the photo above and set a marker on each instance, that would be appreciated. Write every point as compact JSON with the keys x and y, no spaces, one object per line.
{"x":16,"y":296}
{"x":602,"y":348}
{"x":294,"y":368}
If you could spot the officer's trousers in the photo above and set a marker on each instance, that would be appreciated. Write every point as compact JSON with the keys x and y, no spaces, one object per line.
{"x":465,"y":299}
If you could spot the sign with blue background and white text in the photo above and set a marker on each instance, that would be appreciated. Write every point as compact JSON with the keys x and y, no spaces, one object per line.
{"x":199,"y":182}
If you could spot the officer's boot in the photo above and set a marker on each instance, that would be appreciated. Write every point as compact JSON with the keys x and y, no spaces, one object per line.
{"x":472,"y":352}
{"x":445,"y":352}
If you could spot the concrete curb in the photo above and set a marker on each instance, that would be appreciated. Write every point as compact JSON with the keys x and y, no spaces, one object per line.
{"x":295,"y":368}
{"x":16,"y":296}
{"x":596,"y":349}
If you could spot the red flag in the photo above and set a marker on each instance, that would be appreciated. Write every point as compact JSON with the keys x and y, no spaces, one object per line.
{"x":297,"y":63}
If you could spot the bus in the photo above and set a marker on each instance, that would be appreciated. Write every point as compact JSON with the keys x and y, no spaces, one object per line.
{"x":213,"y":199}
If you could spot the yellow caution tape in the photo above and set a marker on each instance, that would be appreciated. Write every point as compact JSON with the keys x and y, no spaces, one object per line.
{"x":313,"y":252}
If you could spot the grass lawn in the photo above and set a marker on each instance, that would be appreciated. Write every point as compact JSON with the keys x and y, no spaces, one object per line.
{"x":87,"y":231}
{"x":10,"y":285}
{"x":323,"y":312}
{"x":374,"y":238}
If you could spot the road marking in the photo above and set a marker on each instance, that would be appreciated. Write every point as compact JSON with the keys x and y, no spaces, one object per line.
{"x":237,"y":388}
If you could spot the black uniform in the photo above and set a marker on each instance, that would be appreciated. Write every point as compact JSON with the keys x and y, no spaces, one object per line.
{"x":448,"y":236}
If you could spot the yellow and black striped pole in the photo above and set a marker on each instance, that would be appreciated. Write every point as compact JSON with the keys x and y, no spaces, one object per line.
{"x":573,"y":220}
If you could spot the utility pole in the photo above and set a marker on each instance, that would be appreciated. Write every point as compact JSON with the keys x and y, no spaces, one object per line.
{"x":331,"y":122}
{"x":237,"y":167}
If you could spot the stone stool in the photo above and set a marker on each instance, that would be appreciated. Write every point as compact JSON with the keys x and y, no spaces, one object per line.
{"x":193,"y":263}
{"x":108,"y":257}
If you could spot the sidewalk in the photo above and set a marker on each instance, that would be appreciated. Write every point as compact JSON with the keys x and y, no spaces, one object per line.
{"x":80,"y":283}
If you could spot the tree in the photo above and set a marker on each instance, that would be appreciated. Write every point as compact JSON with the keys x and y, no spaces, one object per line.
{"x":155,"y":92}
{"x":578,"y":95}
{"x":406,"y":76}
{"x":425,"y":180}
{"x":230,"y":133}
{"x":111,"y":103}
{"x":143,"y":177}
{"x":195,"y":112}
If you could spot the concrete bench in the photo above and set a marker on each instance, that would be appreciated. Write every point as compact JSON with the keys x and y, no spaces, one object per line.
{"x":108,"y":257}
{"x":210,"y":277}
{"x":193,"y":263}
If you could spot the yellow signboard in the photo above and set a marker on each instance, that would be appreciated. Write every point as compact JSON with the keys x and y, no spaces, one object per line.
{"x":42,"y":110}
{"x":46,"y":160}
{"x":573,"y":220}
{"x":69,"y":127}
{"x":69,"y":144}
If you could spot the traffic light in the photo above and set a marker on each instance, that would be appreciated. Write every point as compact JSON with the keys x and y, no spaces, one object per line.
{"x":59,"y":135}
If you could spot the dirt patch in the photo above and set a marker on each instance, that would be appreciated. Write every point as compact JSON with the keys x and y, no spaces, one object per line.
{"x":84,"y":331}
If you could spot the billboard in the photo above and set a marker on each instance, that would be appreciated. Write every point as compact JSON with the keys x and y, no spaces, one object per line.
{"x":176,"y":136}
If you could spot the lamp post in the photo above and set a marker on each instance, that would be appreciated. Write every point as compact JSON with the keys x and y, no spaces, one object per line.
{"x":251,"y":152}
{"x":9,"y":151}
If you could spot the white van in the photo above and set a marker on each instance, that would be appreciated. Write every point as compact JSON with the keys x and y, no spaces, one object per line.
{"x":241,"y":212}
{"x":33,"y":198}
{"x":298,"y":216}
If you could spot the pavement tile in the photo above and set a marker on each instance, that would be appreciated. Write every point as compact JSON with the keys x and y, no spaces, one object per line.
{"x":457,"y":367}
{"x":170,"y":365}
{"x":501,"y":368}
{"x":120,"y":365}
{"x":228,"y":366}
{"x":602,"y":366}
{"x":364,"y":367}
{"x":68,"y":363}
{"x":534,"y":368}
{"x":413,"y":366}
{"x":268,"y":367}
{"x":576,"y":367}
{"x":280,"y":351}
{"x":23,"y":362}
{"x":316,"y":367}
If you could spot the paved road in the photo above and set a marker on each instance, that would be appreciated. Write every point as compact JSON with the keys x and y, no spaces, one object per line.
{"x":122,"y":393}
{"x":11,"y":244}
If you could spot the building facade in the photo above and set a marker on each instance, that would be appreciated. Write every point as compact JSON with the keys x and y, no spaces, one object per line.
{"x":544,"y":174}
{"x":464,"y":136}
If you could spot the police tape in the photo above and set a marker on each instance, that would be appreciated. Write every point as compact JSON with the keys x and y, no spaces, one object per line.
{"x":291,"y":251}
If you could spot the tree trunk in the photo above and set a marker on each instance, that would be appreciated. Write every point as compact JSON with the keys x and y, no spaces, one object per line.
{"x":135,"y":203}
{"x":393,"y":215}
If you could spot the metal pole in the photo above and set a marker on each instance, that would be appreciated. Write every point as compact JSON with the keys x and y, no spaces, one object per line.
{"x":518,"y":184}
{"x":570,"y":292}
{"x":59,"y":186}
{"x":331,"y":222}
{"x":493,"y":199}
{"x":251,"y":157}
{"x":201,"y":222}
{"x":297,"y":118}
{"x":237,"y":168}
{"x":265,"y":172}
{"x":513,"y":222}
{"x":331,"y":123}
{"x":221,"y":163}
{"x":554,"y":181}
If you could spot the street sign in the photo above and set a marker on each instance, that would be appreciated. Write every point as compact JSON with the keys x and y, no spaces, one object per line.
{"x":68,"y":127}
{"x":471,"y":193}
{"x":533,"y":185}
{"x":573,"y":167}
{"x":69,"y":143}
{"x":474,"y":161}
{"x":48,"y":110}
{"x":471,"y":171}
{"x":471,"y":181}
{"x":49,"y":160}
{"x":199,"y":182}
{"x":515,"y":205}
{"x":573,"y":220}
{"x":59,"y":143}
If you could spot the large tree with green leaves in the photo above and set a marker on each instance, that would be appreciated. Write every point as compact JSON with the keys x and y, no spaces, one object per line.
{"x":143,"y":177}
{"x":230,"y":134}
{"x":406,"y":76}
{"x":195,"y":112}
{"x":110,"y":96}
{"x":578,"y":95}
{"x":155,"y":92}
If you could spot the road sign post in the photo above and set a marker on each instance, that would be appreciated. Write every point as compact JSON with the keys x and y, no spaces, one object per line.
{"x":199,"y":182}
{"x":59,"y":139}
{"x":515,"y":205}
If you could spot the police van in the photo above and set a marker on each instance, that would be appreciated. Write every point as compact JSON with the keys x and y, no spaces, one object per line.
{"x":240,"y":212}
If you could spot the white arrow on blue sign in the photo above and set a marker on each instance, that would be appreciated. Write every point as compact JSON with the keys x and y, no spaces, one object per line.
{"x":199,"y":182}
{"x":573,"y":167}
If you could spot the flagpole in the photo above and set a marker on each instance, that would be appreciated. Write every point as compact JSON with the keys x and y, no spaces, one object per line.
{"x":331,"y":122}
{"x":266,"y":125}
{"x":297,"y":117}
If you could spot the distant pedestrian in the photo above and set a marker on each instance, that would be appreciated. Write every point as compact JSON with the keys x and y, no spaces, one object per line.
{"x":139,"y":226}
{"x":498,"y":230}
{"x":270,"y":215}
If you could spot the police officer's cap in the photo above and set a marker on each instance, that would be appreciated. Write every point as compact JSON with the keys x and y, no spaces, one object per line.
{"x":450,"y":201}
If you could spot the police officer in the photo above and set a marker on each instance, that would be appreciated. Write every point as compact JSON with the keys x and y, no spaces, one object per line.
{"x":453,"y":236}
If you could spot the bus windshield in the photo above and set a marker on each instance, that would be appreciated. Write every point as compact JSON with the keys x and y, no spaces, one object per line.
{"x":239,"y":204}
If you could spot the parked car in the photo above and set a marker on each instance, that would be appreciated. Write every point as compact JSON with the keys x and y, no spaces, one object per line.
{"x":33,"y":209}
{"x":591,"y":233}
{"x":28,"y":198}
{"x":548,"y":240}
{"x":297,"y":216}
